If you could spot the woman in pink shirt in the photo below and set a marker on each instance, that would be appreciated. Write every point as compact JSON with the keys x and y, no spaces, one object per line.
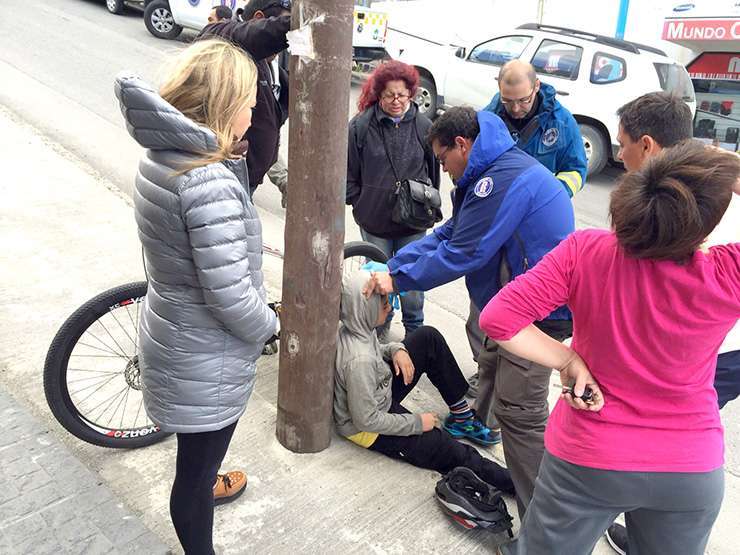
{"x":650,"y":310}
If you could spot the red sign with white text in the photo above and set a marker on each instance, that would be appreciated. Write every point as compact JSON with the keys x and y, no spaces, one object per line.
{"x":701,"y":29}
{"x":715,"y":65}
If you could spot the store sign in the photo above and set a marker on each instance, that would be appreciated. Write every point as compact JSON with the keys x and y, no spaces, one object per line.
{"x":714,"y":65}
{"x":701,"y":29}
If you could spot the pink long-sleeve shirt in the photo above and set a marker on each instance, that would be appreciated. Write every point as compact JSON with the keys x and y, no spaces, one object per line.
{"x":649,"y":332}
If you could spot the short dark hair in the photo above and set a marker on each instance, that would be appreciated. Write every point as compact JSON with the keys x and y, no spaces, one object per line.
{"x":663,"y":116}
{"x":270,"y":8}
{"x":460,"y":121}
{"x":666,"y":210}
{"x":223,"y":12}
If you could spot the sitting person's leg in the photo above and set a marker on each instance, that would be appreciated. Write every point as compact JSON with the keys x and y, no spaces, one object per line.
{"x":431,"y":355}
{"x":436,"y":450}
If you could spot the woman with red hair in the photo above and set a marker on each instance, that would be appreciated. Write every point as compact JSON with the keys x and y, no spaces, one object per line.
{"x":387,"y":144}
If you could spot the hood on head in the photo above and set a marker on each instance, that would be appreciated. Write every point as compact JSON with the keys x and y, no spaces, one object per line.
{"x":357,"y":313}
{"x":494,"y":139}
{"x":156,"y":124}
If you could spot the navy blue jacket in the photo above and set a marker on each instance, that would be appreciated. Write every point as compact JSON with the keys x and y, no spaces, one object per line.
{"x":508,"y":210}
{"x":555,"y":139}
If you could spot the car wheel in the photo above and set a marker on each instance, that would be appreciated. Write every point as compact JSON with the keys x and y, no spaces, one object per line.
{"x":115,"y":6}
{"x":596,"y":147}
{"x":159,"y":20}
{"x":426,"y":97}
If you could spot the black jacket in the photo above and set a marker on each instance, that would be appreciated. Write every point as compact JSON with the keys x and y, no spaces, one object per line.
{"x":370,"y":177}
{"x":261,"y":38}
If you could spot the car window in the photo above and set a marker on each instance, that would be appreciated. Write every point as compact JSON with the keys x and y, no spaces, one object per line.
{"x":558,"y":59}
{"x":499,"y":50}
{"x":607,"y":69}
{"x":675,"y":79}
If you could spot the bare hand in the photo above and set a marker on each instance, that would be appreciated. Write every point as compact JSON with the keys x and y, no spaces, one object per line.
{"x":403,"y":364}
{"x":428,"y":421}
{"x":380,"y":283}
{"x":575,"y":374}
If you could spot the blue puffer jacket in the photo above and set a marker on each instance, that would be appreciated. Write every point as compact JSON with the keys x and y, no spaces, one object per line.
{"x":555,"y":140}
{"x":508,"y":212}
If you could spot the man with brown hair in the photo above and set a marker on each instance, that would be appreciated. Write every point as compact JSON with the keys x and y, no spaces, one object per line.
{"x":647,"y":125}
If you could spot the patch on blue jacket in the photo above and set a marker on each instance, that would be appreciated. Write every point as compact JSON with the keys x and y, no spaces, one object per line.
{"x":550,"y":137}
{"x":484,"y":187}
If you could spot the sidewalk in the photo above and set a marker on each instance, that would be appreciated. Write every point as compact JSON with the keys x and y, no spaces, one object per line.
{"x":67,"y":236}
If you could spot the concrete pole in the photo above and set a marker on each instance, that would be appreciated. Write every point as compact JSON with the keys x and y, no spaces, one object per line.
{"x":314,"y":227}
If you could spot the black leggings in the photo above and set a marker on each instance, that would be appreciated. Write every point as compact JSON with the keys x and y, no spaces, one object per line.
{"x":199,"y":456}
{"x":436,"y":449}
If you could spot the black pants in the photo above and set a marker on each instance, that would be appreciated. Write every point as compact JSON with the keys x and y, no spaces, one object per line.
{"x":436,"y":449}
{"x":727,"y":378}
{"x":199,"y":456}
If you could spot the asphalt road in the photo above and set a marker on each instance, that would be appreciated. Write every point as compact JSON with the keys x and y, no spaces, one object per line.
{"x":57,"y":67}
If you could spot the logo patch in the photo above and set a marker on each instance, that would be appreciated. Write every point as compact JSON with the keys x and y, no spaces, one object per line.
{"x":550,"y":137}
{"x":484,"y":187}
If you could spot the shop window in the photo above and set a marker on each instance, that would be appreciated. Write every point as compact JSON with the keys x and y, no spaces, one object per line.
{"x":499,"y":50}
{"x":607,"y":69}
{"x":718,"y":112}
{"x":558,"y":59}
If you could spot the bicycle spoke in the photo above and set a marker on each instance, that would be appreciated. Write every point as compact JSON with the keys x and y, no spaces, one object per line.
{"x":98,"y":348}
{"x":112,"y":400}
{"x":115,"y":410}
{"x":97,"y":371}
{"x":87,"y":379}
{"x":114,"y":340}
{"x":94,"y":356}
{"x":123,"y":408}
{"x":96,"y":390}
{"x":121,"y":326}
{"x":138,"y":410}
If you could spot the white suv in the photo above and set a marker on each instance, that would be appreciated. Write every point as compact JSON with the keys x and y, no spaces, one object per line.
{"x":594,"y":75}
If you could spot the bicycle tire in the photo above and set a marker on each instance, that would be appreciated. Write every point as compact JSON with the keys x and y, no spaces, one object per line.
{"x":56,"y":368}
{"x":364,"y":249}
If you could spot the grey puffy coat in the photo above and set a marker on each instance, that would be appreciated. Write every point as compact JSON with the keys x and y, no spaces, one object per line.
{"x":205,"y":317}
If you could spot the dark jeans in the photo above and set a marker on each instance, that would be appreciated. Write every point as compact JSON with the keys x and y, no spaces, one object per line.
{"x":199,"y":457}
{"x":412,"y":303}
{"x":727,"y":378}
{"x":436,"y":449}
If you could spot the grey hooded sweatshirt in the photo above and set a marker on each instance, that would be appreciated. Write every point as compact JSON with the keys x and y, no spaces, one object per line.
{"x":205,"y":317}
{"x":363,"y":377}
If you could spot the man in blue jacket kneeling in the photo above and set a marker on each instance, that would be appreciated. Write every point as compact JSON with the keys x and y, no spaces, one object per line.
{"x":508,"y":212}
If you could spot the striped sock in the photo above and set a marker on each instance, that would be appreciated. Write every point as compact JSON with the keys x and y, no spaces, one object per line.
{"x":461,"y":411}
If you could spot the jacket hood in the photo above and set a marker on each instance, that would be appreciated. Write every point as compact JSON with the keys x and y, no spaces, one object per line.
{"x":494,"y":139}
{"x":357,"y":313}
{"x":156,"y":124}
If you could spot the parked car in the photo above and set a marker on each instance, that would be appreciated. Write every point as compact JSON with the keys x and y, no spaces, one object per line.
{"x":165,"y":19}
{"x":594,"y":75}
{"x":118,"y":6}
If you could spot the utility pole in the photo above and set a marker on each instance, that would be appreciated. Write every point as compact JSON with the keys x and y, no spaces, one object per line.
{"x":314,"y":227}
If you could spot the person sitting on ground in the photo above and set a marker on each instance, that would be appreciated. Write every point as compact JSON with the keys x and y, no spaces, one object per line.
{"x":220,"y":13}
{"x":372,"y":379}
{"x":650,"y":310}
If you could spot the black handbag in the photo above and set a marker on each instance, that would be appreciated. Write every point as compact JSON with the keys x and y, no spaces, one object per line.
{"x":415,"y":203}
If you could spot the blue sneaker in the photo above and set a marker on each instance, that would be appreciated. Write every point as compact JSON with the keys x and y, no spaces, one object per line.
{"x":472,"y":429}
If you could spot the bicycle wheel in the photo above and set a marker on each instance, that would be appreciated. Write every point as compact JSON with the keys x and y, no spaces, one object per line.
{"x":91,"y":374}
{"x":357,"y":253}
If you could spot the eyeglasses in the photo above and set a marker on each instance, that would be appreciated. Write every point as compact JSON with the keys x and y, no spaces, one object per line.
{"x":442,"y":157}
{"x":390,"y":97}
{"x":521,"y":101}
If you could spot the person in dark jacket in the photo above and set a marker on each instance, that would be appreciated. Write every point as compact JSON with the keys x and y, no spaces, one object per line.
{"x":262,"y":35}
{"x":205,"y":317}
{"x":508,"y":212}
{"x":387,"y":143}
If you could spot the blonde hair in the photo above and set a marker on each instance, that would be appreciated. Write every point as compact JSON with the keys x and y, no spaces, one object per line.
{"x":210,"y":82}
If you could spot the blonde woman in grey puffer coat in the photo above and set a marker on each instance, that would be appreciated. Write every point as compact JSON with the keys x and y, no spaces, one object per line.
{"x":205,"y":317}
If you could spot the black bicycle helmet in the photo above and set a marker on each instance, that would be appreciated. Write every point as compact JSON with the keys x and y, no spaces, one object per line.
{"x":473,"y":503}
